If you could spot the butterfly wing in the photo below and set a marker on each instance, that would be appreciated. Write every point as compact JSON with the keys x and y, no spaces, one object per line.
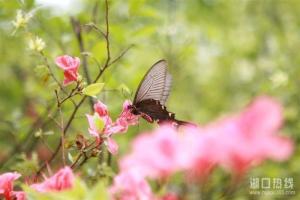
{"x":152,"y":109}
{"x":155,"y":85}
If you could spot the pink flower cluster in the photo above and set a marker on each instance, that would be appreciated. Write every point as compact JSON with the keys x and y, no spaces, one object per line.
{"x":6,"y":186}
{"x":62,"y":180}
{"x":70,"y":66}
{"x":125,"y":119}
{"x":235,"y":143}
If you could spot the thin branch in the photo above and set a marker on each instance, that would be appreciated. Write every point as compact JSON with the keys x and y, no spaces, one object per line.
{"x":121,"y":55}
{"x":107,"y":34}
{"x":51,"y":72}
{"x":76,"y":161}
{"x":64,"y":133}
{"x":78,"y":33}
{"x":62,"y":136}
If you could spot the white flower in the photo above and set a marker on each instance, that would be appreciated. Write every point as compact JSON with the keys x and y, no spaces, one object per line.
{"x":22,"y":19}
{"x":37,"y":44}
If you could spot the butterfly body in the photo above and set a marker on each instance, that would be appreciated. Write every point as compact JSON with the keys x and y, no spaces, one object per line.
{"x":152,"y":94}
{"x":152,"y":110}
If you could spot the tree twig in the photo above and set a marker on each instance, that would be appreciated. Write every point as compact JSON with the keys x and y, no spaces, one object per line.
{"x":78,"y":33}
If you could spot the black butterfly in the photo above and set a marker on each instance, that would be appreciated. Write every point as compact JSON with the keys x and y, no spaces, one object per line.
{"x":152,"y":94}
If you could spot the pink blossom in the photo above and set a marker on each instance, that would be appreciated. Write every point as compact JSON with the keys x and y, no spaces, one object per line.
{"x":251,"y":137}
{"x":101,"y":109}
{"x":70,"y":66}
{"x":20,"y":195}
{"x":6,"y":185}
{"x":155,"y":155}
{"x":112,"y":146}
{"x":262,"y":116}
{"x":105,"y":135}
{"x":62,"y":180}
{"x":199,"y":151}
{"x":125,"y":119}
{"x":129,"y":185}
{"x":236,"y":142}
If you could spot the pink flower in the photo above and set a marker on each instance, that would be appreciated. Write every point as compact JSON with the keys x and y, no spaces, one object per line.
{"x":199,"y":151}
{"x":129,"y":185}
{"x":102,"y":134}
{"x":125,"y":119}
{"x":127,"y":116}
{"x":237,"y":143}
{"x":112,"y":146}
{"x":105,"y":134}
{"x":70,"y":66}
{"x":6,"y":186}
{"x":262,"y":116}
{"x":155,"y":155}
{"x":20,"y":195}
{"x":62,"y":180}
{"x":251,"y":137}
{"x":101,"y":109}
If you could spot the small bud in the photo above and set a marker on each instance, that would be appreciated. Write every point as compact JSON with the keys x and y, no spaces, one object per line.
{"x":80,"y":142}
{"x":36,"y":44}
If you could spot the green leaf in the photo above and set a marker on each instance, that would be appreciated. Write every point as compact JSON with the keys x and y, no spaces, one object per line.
{"x":93,"y":89}
{"x":98,"y":192}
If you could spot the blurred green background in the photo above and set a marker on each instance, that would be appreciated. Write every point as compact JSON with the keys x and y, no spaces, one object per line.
{"x":221,"y":54}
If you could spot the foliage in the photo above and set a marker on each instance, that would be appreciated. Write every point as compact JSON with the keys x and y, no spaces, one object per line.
{"x":221,"y":54}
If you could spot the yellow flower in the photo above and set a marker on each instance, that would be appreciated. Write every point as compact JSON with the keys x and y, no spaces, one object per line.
{"x":22,"y":19}
{"x":37,"y":44}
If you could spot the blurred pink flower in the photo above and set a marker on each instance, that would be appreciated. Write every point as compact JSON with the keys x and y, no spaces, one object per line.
{"x":236,"y":142}
{"x":199,"y":151}
{"x":249,"y":138}
{"x":155,"y":155}
{"x":70,"y":66}
{"x":6,"y":186}
{"x":262,"y":116}
{"x":20,"y":195}
{"x":62,"y":180}
{"x":129,"y":185}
